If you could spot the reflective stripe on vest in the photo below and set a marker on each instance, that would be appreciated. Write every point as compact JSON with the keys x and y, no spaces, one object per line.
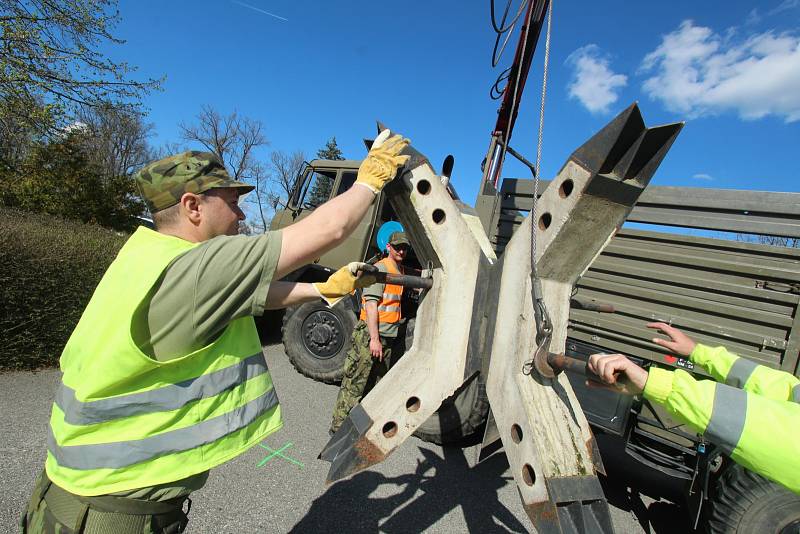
{"x":122,"y":420}
{"x":740,"y":372}
{"x":727,"y":417}
{"x":389,"y":307}
{"x":796,"y":393}
{"x":121,"y":454}
{"x":163,"y":399}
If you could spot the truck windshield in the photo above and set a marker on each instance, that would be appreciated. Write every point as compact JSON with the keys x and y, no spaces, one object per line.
{"x":348,"y":179}
{"x":317,"y":189}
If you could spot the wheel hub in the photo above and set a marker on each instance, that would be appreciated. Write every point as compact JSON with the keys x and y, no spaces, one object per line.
{"x":323,"y":334}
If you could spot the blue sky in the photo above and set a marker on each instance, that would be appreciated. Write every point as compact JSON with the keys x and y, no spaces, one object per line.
{"x":312,"y":70}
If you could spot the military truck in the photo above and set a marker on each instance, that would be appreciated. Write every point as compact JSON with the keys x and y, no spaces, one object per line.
{"x":687,"y":256}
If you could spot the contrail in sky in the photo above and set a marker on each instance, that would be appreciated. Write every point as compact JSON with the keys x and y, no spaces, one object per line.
{"x":259,"y":10}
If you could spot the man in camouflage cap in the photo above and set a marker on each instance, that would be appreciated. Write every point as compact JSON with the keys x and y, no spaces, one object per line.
{"x":163,"y":182}
{"x":163,"y":378}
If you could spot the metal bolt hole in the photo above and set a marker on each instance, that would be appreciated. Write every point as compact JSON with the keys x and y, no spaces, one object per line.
{"x":566,"y":188}
{"x":389,"y":429}
{"x":544,"y":221}
{"x":528,"y":475}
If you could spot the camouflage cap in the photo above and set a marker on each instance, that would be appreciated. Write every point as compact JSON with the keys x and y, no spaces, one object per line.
{"x":163,"y":182}
{"x":398,"y":238}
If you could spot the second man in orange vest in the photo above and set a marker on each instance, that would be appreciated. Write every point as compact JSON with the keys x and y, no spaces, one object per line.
{"x":375,"y":341}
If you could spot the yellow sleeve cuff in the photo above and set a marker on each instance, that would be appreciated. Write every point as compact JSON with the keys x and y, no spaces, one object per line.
{"x":700,"y":354}
{"x":659,"y":385}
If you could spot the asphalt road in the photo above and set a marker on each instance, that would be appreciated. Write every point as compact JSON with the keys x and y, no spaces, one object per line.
{"x":421,"y":487}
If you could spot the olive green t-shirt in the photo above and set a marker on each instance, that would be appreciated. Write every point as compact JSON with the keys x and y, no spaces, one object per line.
{"x":200,"y":292}
{"x":375,"y":293}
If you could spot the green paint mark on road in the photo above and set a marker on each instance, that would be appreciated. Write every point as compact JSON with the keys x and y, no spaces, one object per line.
{"x":279,"y":453}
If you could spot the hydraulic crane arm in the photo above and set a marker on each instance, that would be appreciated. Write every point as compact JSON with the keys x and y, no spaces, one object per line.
{"x":512,"y":93}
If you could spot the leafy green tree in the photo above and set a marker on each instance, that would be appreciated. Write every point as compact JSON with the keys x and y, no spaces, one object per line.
{"x":50,"y":63}
{"x":330,"y":151}
{"x":321,"y":188}
{"x":60,"y":179}
{"x":17,"y":135}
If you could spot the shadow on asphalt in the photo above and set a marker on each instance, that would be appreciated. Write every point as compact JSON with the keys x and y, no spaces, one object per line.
{"x":628,"y":481}
{"x":446,"y":482}
{"x":269,"y":326}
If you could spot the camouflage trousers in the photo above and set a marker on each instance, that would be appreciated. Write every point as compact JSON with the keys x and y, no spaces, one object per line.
{"x":52,"y":510}
{"x":362,"y":371}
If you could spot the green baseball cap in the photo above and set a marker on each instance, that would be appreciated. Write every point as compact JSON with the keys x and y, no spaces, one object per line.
{"x":163,"y":182}
{"x":398,"y":238}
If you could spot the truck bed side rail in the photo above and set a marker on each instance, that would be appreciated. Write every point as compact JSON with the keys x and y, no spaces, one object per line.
{"x":691,"y":259}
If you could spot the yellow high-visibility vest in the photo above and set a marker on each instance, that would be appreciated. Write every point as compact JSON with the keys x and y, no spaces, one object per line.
{"x":122,"y":420}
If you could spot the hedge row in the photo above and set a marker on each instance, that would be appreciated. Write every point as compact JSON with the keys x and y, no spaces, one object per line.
{"x":49,"y":268}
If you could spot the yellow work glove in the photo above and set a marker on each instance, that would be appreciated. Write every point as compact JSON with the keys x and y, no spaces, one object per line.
{"x":382,"y":162}
{"x":344,"y":281}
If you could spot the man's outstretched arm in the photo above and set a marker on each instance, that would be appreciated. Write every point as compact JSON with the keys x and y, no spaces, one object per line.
{"x":724,"y":366}
{"x":337,"y":286}
{"x":756,"y":432}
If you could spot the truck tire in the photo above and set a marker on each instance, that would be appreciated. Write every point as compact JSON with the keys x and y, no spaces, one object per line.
{"x":460,"y":416}
{"x":316,"y":339}
{"x":745,"y":502}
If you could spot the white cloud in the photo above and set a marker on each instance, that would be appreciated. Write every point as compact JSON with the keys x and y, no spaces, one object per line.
{"x":703,"y":176}
{"x":755,"y":16}
{"x":786,"y":5}
{"x":593,"y":83}
{"x":697,"y":72}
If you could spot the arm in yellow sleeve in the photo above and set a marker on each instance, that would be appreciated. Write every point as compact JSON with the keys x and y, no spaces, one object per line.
{"x":742,"y":373}
{"x":755,"y":431}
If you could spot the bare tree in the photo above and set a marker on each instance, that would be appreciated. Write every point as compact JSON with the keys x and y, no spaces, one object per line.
{"x":273,"y":184}
{"x":774,"y":240}
{"x":233,"y":138}
{"x":259,"y":177}
{"x":166,"y":149}
{"x":285,"y":170}
{"x":116,"y":138}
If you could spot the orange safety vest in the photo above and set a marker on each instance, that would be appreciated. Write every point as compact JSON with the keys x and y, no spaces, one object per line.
{"x":389,"y":305}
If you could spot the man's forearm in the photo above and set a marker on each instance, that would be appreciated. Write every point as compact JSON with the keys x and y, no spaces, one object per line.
{"x":343,"y":213}
{"x":323,"y":229}
{"x":283,"y":294}
{"x":757,"y":432}
{"x":372,"y":319}
{"x":724,"y":366}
